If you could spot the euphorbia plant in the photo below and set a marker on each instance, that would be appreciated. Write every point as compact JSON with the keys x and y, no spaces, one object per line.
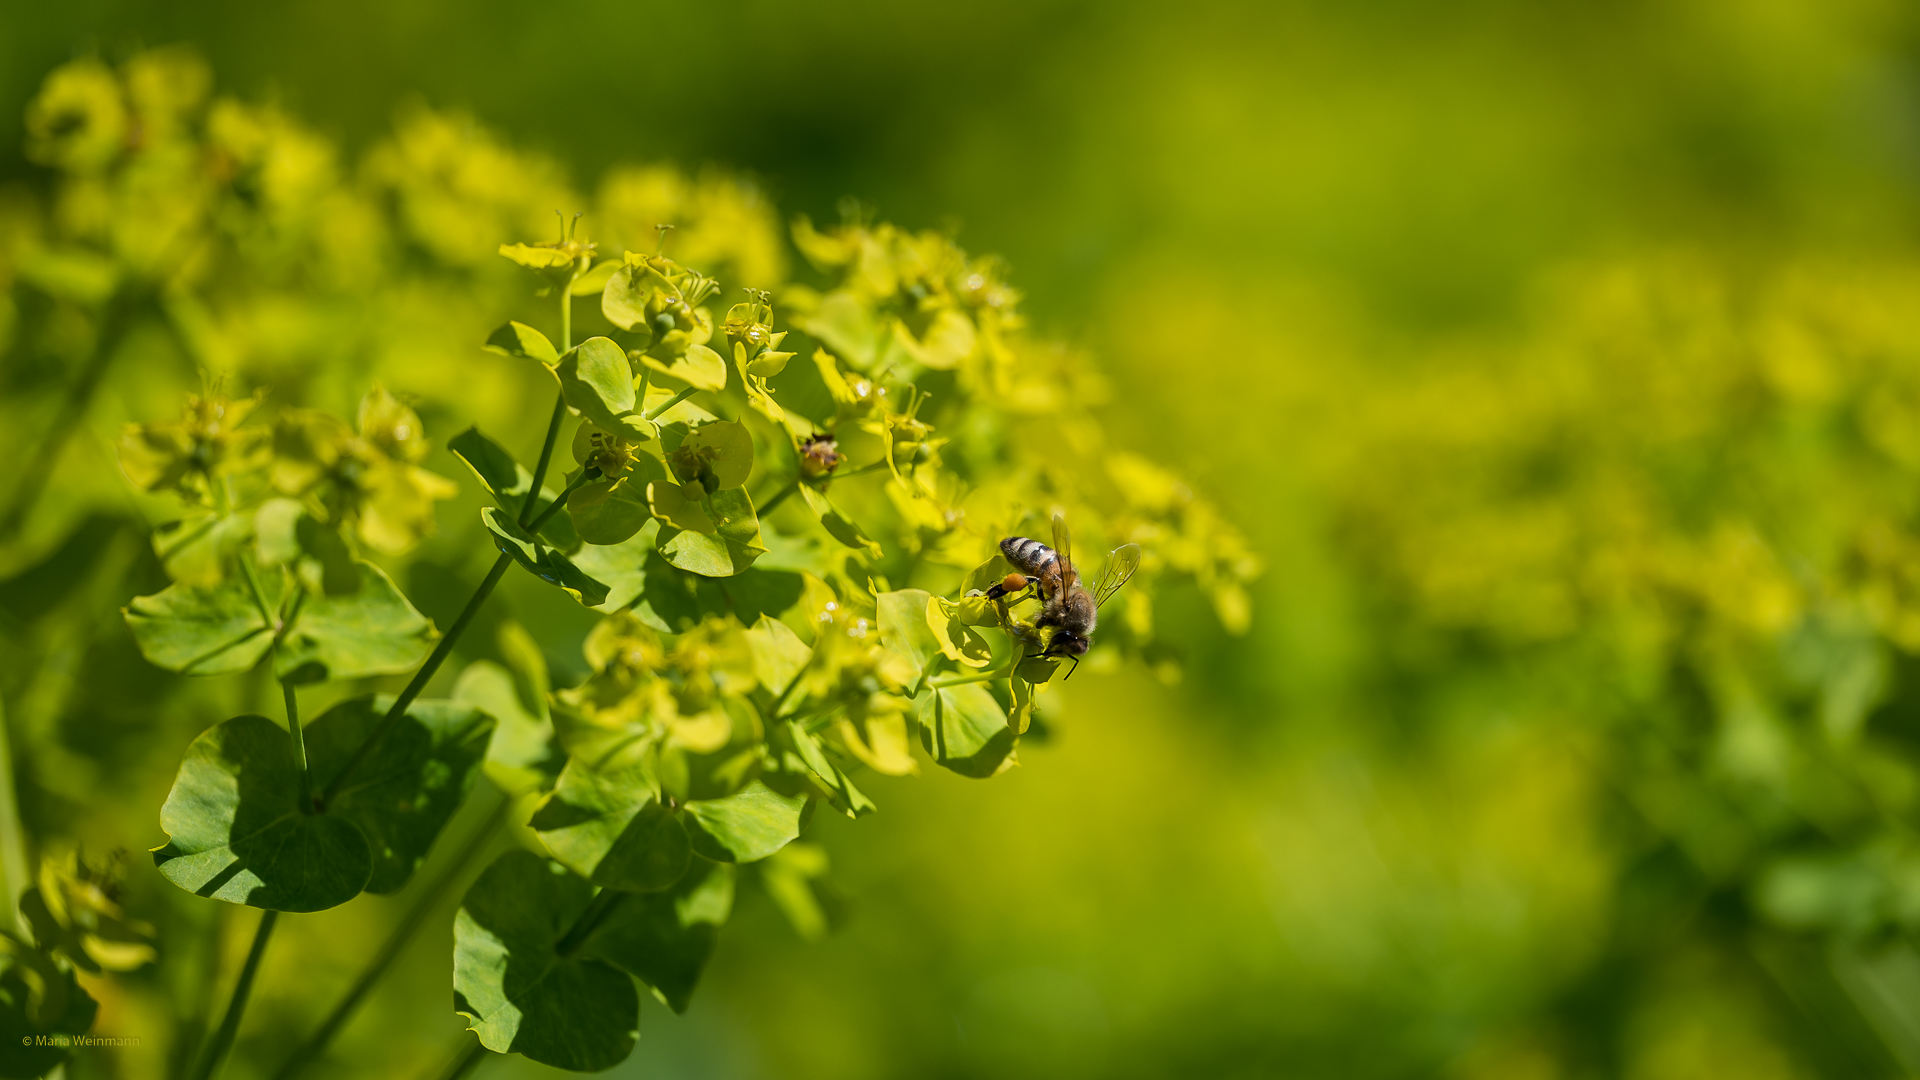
{"x":757,"y":652}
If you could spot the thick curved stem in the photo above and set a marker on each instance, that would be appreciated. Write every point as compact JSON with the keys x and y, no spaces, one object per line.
{"x":546,"y":458}
{"x":222,"y":1041}
{"x":420,"y":679}
{"x":424,"y":905}
{"x":465,"y":1061}
{"x":586,"y":476}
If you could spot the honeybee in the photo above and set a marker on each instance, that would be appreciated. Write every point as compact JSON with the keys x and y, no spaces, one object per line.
{"x":1065,"y":604}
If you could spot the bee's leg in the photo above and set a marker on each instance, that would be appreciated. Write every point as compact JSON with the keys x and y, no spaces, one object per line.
{"x":1010,"y":585}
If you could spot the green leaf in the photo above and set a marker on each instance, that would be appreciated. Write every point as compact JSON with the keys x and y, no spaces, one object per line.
{"x":682,"y":506}
{"x":607,"y":512}
{"x":778,"y":653}
{"x":766,"y":365}
{"x":507,"y":481}
{"x":788,"y":878}
{"x":750,"y":824}
{"x":975,"y":611}
{"x":1037,"y":670}
{"x":625,"y":297}
{"x":1020,"y":717}
{"x":953,"y":636}
{"x":596,"y":279}
{"x":610,"y":828}
{"x":701,"y":368}
{"x":676,"y":601}
{"x":734,"y":518}
{"x":276,"y":537}
{"x":519,"y":339}
{"x":902,"y":615}
{"x":622,"y":566}
{"x":412,"y":782}
{"x":237,"y":833}
{"x":846,"y":798}
{"x":726,"y":448}
{"x":965,"y":730}
{"x":197,"y":630}
{"x":728,"y":550}
{"x":597,"y":381}
{"x":200,"y":550}
{"x":39,"y":999}
{"x":374,"y":631}
{"x":520,"y":755}
{"x":520,"y":994}
{"x":610,"y":511}
{"x":761,"y":591}
{"x":838,"y":525}
{"x":538,"y":256}
{"x":665,"y":938}
{"x":329,"y":567}
{"x":542,"y":561}
{"x":846,"y":326}
{"x":949,"y":340}
{"x":684,"y":412}
{"x":287,"y":536}
{"x":986,"y":575}
{"x":503,"y":476}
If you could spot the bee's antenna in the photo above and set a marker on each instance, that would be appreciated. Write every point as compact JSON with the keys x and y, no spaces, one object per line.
{"x":1074,"y":668}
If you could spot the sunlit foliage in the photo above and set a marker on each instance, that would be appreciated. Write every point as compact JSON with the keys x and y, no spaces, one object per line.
{"x":784,"y":499}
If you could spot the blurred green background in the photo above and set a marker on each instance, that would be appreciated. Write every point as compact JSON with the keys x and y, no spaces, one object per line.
{"x":1415,"y":292}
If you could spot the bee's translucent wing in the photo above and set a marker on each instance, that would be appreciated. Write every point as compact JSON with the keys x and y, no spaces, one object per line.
{"x":1061,"y":545}
{"x":1121,"y":564}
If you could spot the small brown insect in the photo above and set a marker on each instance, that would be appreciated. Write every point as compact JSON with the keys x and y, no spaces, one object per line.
{"x":819,"y":455}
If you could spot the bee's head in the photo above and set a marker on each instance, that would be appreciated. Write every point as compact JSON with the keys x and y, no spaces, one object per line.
{"x":1068,"y":643}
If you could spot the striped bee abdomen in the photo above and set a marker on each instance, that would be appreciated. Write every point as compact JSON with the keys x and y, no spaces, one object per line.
{"x":1031,"y":556}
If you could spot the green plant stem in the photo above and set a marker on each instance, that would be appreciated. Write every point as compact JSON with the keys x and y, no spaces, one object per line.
{"x":672,"y":401}
{"x":222,"y":1040}
{"x":597,"y":910}
{"x":559,"y":404}
{"x":794,"y":485}
{"x":420,"y":678}
{"x":424,"y":904}
{"x":280,"y":627}
{"x":445,"y":647}
{"x":299,"y":739}
{"x":190,"y":1026}
{"x":13,"y":838}
{"x":982,"y":676}
{"x":586,"y":476}
{"x":259,"y":595}
{"x":872,"y":466}
{"x":780,"y":702}
{"x":38,"y":469}
{"x":778,"y":497}
{"x":465,"y":1061}
{"x":546,"y":457}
